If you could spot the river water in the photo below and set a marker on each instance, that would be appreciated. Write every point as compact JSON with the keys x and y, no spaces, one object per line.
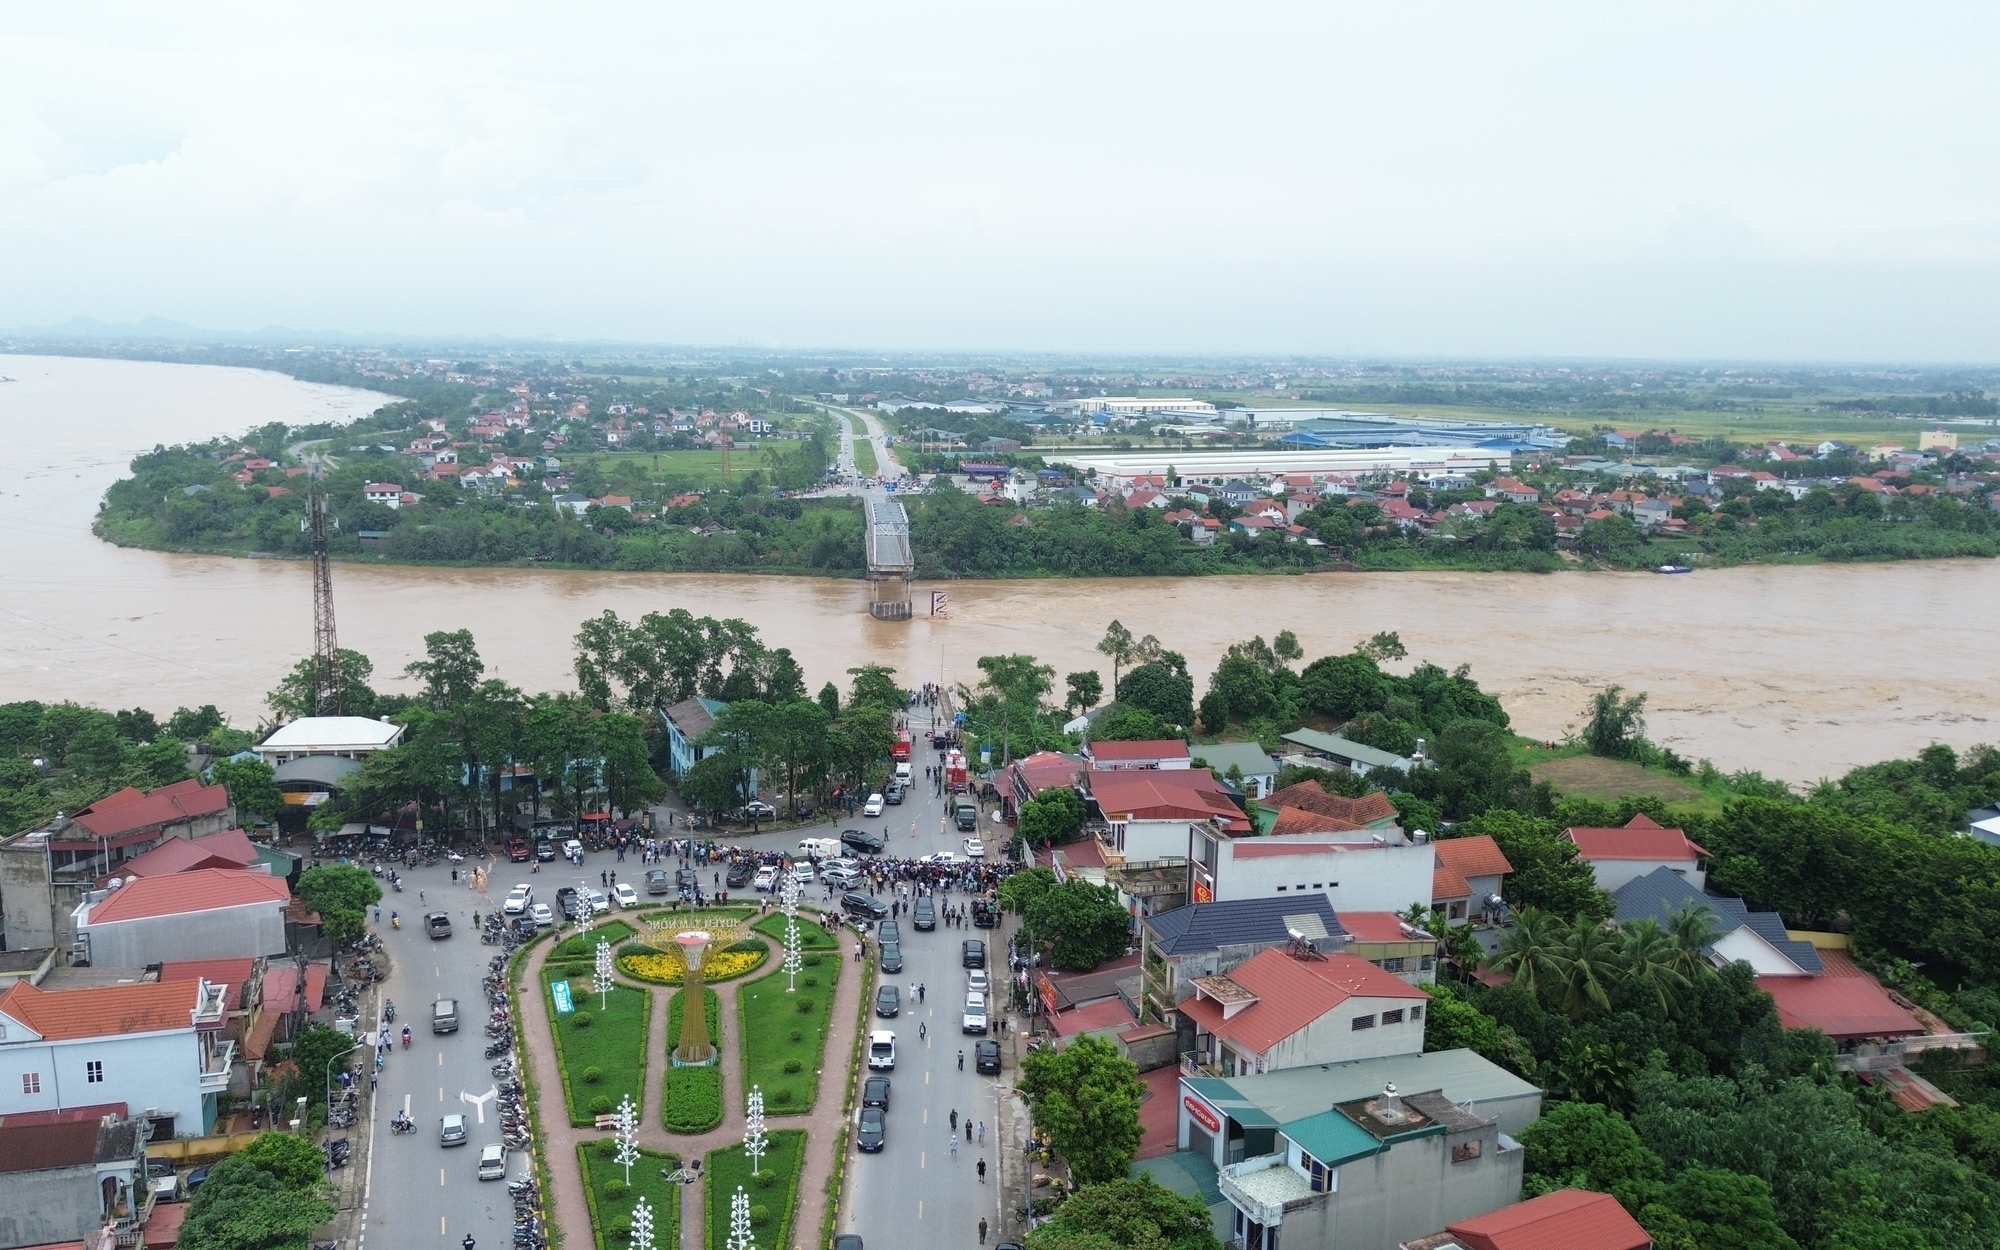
{"x":1800,"y":672}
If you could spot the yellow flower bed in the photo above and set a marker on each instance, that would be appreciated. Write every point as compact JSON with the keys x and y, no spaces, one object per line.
{"x":668,"y":968}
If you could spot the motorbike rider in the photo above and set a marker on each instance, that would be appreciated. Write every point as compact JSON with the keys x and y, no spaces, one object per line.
{"x":406,"y":1036}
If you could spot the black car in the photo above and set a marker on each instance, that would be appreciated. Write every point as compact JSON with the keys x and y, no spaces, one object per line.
{"x":893,"y":796}
{"x":865,"y":841}
{"x":852,"y":1241}
{"x":546,"y":852}
{"x":973,"y":953}
{"x":888,"y":1002}
{"x":858,"y":904}
{"x":874,"y":1130}
{"x":658,"y":882}
{"x":986,"y":1056}
{"x":524,"y":926}
{"x":875,"y":1091}
{"x":739,"y":876}
{"x":924,"y":915}
{"x":888,"y":931}
{"x":569,"y":903}
{"x":892,"y":957}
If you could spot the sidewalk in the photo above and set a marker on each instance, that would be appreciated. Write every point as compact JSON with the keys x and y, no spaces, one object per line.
{"x":567,"y":1207}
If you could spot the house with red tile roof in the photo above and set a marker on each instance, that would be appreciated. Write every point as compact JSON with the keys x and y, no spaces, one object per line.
{"x":1157,"y":753}
{"x":1371,"y":811}
{"x":1382,"y":873}
{"x":1027,"y":777}
{"x":1151,"y":810}
{"x":77,"y":1173}
{"x":1285,"y":1010}
{"x":152,"y":1048}
{"x":1392,"y":944}
{"x":231,"y":848}
{"x":185,"y":809}
{"x":1512,"y":490}
{"x":1618,"y":855}
{"x":1469,"y":872}
{"x":205,"y":913}
{"x":1568,"y":1219}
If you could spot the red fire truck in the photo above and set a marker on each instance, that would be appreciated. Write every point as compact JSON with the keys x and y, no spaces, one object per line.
{"x":954,"y":769}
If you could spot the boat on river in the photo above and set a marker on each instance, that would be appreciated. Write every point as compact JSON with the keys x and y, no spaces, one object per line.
{"x":1675,"y":568}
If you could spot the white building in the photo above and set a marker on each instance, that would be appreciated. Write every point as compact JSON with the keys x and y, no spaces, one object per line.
{"x":1355,"y":875}
{"x":156,"y":1047}
{"x":1131,"y":406}
{"x":1286,"y":1009}
{"x":1213,"y":468}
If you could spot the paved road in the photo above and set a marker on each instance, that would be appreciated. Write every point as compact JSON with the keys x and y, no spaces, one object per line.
{"x":911,"y":1195}
{"x":423,"y":1194}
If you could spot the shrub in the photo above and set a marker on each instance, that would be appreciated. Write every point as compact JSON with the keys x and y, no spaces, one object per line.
{"x":783,"y":1097}
{"x":792,"y":1066}
{"x":620,"y":1229}
{"x":601,"y":1105}
{"x":580,"y":1020}
{"x":759,"y":1213}
{"x":766,"y":1179}
{"x":811,"y":981}
{"x":592,"y":1075}
{"x":797,"y":1035}
{"x":616,"y":1190}
{"x":694,"y":1099}
{"x":805,"y":1006}
{"x":812,"y":961}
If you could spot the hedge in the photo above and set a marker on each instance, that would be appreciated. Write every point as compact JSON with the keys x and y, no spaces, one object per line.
{"x":693,"y":1099}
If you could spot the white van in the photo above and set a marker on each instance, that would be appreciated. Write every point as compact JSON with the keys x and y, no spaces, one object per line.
{"x":493,"y":1162}
{"x":903,"y":772}
{"x":818,"y":848}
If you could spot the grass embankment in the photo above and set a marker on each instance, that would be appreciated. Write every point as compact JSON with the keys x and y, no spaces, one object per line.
{"x":584,"y":945}
{"x":864,"y":457}
{"x":693,"y":470}
{"x":608,"y":1044}
{"x":1575,"y":772}
{"x":691,"y":1099}
{"x":812,"y":936}
{"x":774,"y":1192}
{"x":784,"y":1034}
{"x":611,"y":1200}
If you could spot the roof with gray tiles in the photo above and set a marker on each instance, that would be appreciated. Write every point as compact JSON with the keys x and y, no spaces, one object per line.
{"x":1662,"y":892}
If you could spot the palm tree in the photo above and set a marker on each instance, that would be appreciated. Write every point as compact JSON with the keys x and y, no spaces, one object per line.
{"x":1531,"y":953}
{"x":1649,"y":956}
{"x":1692,"y":929}
{"x":1588,"y":959}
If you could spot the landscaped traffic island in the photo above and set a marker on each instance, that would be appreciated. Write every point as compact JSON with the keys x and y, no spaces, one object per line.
{"x":773,"y":1192}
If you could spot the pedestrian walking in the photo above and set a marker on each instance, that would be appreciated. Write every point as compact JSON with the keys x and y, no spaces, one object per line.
{"x":982,"y":1171}
{"x":982,"y":1132}
{"x":982,"y":1222}
{"x":920,"y":991}
{"x":968,"y":1130}
{"x":961,"y":1061}
{"x":954,"y":1147}
{"x":954,"y":1120}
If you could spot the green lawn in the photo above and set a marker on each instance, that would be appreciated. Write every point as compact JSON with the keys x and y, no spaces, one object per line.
{"x":584,"y":945}
{"x":775,"y":1188}
{"x":695,"y":469}
{"x":614,"y":1042}
{"x":864,"y":457}
{"x":691,"y":1101}
{"x":811,"y":936}
{"x":611,"y":1202}
{"x":784,"y":1035}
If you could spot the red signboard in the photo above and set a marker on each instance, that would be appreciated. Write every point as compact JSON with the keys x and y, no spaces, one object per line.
{"x":1201,"y":1113}
{"x":1202,"y":892}
{"x":1045,"y":989}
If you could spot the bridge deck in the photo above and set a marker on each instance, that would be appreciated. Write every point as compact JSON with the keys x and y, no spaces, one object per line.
{"x":889,"y":539}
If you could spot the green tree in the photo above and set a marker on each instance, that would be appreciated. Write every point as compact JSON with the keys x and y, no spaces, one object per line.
{"x":252,"y":786}
{"x":1019,"y":891}
{"x":876,"y":684}
{"x":1617,"y":723}
{"x":1120,"y":723}
{"x":293,"y":696}
{"x":1343,"y":686}
{"x":1727,"y":1210}
{"x":450,"y":669}
{"x":1086,"y":1098}
{"x":193,"y":725}
{"x":1085,"y":689}
{"x":342,"y":895}
{"x":1387,"y":645}
{"x":1548,"y":874}
{"x":1531,"y":953}
{"x":1117,"y":646}
{"x":1081,"y":923}
{"x":1162,"y":687}
{"x":313,"y":1050}
{"x":1582,"y":1145}
{"x":630,"y":784}
{"x":1135,"y":1214}
{"x":829,"y":699}
{"x":159,"y":762}
{"x":1055,"y":815}
{"x":292,"y":1159}
{"x":245,"y":1207}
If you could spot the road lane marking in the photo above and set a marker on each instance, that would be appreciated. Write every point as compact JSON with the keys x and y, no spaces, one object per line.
{"x":923,"y":1158}
{"x":920,"y":1208}
{"x":440,"y":1178}
{"x":479,"y":1101}
{"x":440,"y":1226}
{"x":440,"y":1059}
{"x":927,"y":1115}
{"x":406,"y":1106}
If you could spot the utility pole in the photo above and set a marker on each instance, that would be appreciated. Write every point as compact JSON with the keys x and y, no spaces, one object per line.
{"x":326,"y":650}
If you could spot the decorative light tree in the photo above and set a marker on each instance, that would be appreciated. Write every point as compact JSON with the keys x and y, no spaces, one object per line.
{"x":753,"y":1129}
{"x":740,"y":1236}
{"x":694,"y":1049}
{"x":792,"y":959}
{"x":602,"y":981}
{"x":625,"y":1122}
{"x":642,"y":1226}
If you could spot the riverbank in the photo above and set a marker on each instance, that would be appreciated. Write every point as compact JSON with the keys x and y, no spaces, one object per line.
{"x":1796,"y":671}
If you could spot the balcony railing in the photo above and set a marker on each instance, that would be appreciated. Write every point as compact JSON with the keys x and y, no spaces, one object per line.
{"x":216,"y":1080}
{"x":1194,"y":1063}
{"x":1266,"y":1187}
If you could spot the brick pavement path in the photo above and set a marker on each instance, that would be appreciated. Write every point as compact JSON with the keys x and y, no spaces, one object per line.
{"x":568,"y":1210}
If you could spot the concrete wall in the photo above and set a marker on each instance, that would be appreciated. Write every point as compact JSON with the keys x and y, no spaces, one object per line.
{"x":1612,"y":873}
{"x":1151,"y":839}
{"x":25,"y":910}
{"x":1333,"y":1039}
{"x":1406,"y":1192}
{"x":1383,"y":878}
{"x":52,"y":1205}
{"x":224,"y":933}
{"x":142,"y":1070}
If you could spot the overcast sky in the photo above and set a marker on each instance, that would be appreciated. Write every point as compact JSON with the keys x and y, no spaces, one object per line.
{"x":1810,"y":181}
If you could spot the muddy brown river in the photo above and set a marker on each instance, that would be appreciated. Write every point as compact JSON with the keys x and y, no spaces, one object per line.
{"x":1800,"y":672}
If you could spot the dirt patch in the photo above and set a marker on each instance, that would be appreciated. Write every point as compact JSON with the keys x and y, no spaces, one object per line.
{"x":1588,"y":777}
